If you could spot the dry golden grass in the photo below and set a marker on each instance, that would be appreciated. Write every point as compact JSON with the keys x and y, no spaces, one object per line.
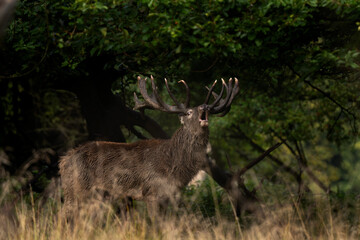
{"x":317,"y":217}
{"x":28,"y":219}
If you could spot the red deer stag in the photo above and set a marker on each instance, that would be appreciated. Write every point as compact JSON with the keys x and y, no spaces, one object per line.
{"x":150,"y":170}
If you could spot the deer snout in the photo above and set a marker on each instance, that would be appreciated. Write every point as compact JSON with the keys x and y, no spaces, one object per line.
{"x":203,"y":116}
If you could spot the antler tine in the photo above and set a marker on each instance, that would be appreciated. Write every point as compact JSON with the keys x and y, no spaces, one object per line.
{"x":223,"y":104}
{"x":223,"y":113}
{"x":209,"y":93}
{"x":154,"y":101}
{"x":149,"y":101}
{"x":215,"y":95}
{"x":233,"y":94}
{"x":157,"y":97}
{"x":138,"y":103}
{"x":187,"y":102}
{"x":218,"y":97}
{"x":171,"y":95}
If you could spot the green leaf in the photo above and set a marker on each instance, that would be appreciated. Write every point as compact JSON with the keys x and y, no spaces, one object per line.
{"x":103,"y":31}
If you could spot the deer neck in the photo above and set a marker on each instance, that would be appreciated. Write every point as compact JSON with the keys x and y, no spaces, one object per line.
{"x":188,"y":154}
{"x":183,"y":138}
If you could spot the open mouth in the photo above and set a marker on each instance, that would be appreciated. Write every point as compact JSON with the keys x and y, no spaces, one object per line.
{"x":204,"y":119}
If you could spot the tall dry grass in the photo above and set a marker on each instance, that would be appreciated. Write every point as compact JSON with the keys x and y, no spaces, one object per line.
{"x":315,"y":218}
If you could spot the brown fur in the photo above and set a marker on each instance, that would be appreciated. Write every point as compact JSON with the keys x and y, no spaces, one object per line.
{"x":150,"y":170}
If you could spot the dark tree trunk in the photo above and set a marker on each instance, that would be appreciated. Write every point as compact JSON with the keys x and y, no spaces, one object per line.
{"x":105,"y":112}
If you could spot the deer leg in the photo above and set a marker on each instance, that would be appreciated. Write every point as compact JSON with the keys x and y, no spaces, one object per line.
{"x":163,"y":204}
{"x":70,"y":204}
{"x":124,"y":207}
{"x":157,"y":207}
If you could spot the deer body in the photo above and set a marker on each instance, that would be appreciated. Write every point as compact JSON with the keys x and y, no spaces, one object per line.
{"x":150,"y":170}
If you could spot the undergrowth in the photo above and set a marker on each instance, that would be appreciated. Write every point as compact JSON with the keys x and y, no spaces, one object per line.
{"x":205,"y":213}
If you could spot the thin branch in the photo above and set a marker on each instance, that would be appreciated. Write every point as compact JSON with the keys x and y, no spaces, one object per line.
{"x":272,"y":158}
{"x":208,"y":68}
{"x":327,"y":95}
{"x":288,"y":168}
{"x":258,"y":159}
{"x":333,"y":125}
{"x":330,"y":98}
{"x":304,"y":165}
{"x":309,"y":172}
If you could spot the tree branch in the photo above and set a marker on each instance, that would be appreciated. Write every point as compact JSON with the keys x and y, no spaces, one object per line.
{"x":258,"y":159}
{"x":272,"y":158}
{"x":306,"y":168}
{"x":208,"y":68}
{"x":330,"y":98}
{"x":327,"y":95}
{"x":134,"y":118}
{"x":135,"y":132}
{"x":333,"y":126}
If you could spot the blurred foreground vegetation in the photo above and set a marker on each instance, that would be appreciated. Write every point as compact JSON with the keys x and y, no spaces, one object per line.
{"x":205,"y":214}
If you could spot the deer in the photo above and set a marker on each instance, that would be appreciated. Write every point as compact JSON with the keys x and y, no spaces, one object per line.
{"x":151,"y":170}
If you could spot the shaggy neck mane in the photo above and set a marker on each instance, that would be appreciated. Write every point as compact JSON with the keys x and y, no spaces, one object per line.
{"x":185,"y":149}
{"x":184,"y":139}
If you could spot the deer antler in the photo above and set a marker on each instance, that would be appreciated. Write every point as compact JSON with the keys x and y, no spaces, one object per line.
{"x":154,"y":100}
{"x":224,"y":104}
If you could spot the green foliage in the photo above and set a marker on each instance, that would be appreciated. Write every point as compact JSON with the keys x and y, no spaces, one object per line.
{"x":297,"y":62}
{"x":208,"y":198}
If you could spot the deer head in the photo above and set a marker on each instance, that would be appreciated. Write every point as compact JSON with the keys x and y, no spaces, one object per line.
{"x":193,"y":118}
